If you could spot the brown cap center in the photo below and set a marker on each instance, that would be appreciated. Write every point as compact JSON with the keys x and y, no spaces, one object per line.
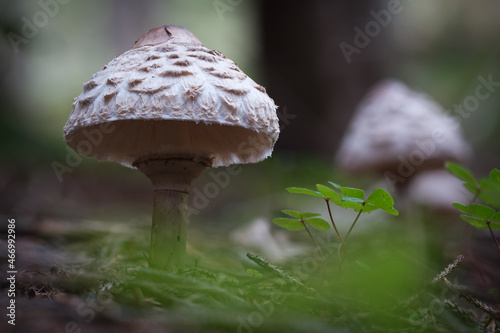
{"x":167,"y":33}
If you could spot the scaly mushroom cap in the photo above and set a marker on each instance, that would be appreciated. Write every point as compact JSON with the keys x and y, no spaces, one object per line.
{"x":394,"y":123}
{"x":171,"y":96}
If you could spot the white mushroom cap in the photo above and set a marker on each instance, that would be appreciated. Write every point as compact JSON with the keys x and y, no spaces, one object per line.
{"x":171,"y":96}
{"x":394,"y":123}
{"x":438,"y":190}
{"x":258,"y":235}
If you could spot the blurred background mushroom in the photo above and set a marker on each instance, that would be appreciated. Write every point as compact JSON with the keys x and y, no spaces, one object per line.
{"x":258,"y":235}
{"x":436,"y":191}
{"x":397,"y":133}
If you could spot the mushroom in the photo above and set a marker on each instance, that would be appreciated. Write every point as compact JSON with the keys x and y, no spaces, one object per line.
{"x":170,"y":107}
{"x":437,"y":190}
{"x":258,"y":235}
{"x":398,"y":132}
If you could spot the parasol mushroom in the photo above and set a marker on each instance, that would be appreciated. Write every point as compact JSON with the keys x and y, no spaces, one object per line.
{"x":437,"y":190}
{"x":397,"y":132}
{"x":170,"y":107}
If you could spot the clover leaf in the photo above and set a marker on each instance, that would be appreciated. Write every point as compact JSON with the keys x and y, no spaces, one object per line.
{"x":299,"y":219}
{"x":480,"y":216}
{"x":464,"y":174}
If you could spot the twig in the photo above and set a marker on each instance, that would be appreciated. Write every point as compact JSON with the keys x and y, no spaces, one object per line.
{"x":449,"y":269}
{"x":477,"y":303}
{"x":263,"y":263}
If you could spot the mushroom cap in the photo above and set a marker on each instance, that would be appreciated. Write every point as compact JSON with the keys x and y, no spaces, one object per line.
{"x":394,"y":124}
{"x":171,"y":96}
{"x":437,"y":189}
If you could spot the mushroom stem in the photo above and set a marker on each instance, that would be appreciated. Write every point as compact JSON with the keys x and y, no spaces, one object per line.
{"x":171,"y":178}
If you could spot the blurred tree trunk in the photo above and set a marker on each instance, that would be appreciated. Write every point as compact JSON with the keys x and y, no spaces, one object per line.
{"x":129,"y":18}
{"x":307,"y":72}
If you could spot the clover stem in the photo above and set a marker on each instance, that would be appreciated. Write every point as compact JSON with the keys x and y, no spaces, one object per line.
{"x":347,"y":235}
{"x":476,"y":195}
{"x":312,"y":238}
{"x":493,"y":236}
{"x":354,"y":223}
{"x":317,"y":246}
{"x":337,"y":232}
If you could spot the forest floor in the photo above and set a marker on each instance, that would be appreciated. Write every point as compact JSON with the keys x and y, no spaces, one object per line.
{"x":92,"y":275}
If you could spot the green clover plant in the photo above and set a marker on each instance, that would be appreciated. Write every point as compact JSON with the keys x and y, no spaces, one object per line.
{"x":488,"y":191}
{"x":341,"y":196}
{"x":300,"y":220}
